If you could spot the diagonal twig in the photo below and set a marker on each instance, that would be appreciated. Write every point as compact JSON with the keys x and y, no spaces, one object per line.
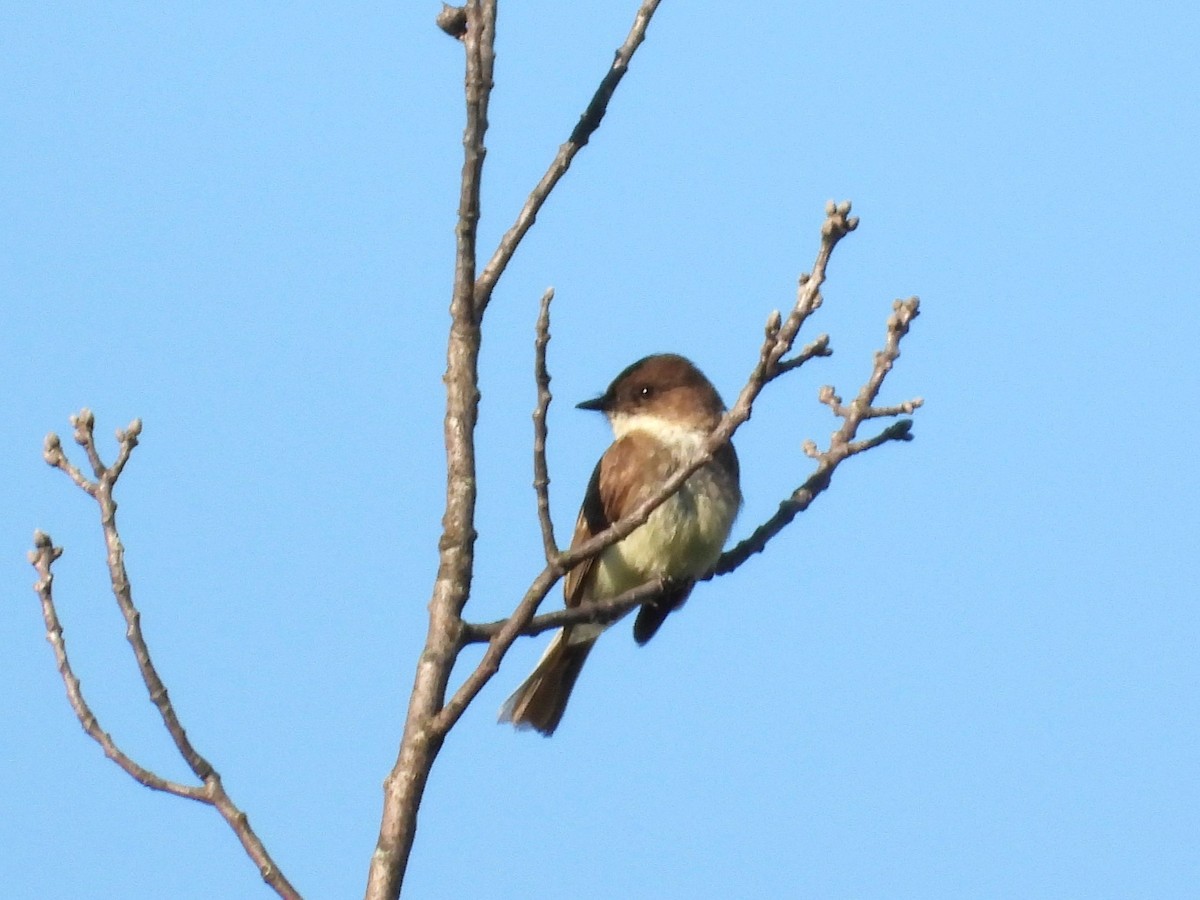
{"x":42,"y":558}
{"x":580,"y":135}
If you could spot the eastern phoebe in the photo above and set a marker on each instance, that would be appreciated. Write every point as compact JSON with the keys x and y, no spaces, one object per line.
{"x":662,"y":409}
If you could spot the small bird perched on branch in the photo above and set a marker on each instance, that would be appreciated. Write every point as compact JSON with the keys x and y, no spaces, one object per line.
{"x":662,"y":410}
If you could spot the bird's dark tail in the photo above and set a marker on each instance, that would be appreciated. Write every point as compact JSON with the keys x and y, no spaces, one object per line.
{"x":541,"y":700}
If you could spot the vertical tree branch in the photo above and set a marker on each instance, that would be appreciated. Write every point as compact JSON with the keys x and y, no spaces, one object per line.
{"x":541,"y":474}
{"x":421,"y":741}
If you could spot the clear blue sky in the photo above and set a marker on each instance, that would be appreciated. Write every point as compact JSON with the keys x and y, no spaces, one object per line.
{"x":970,"y":670}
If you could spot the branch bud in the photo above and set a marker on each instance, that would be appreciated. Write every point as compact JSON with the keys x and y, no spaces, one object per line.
{"x":84,"y":422}
{"x":52,"y":450}
{"x":452,"y":20}
{"x":774,"y":321}
{"x":130,"y":435}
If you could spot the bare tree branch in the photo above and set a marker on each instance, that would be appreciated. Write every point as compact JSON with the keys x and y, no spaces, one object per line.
{"x":405,"y":784}
{"x":102,"y":490}
{"x":601,"y":611}
{"x":52,"y":453}
{"x":580,"y":135}
{"x":541,"y":475}
{"x":842,"y":445}
{"x":615,"y":607}
{"x":818,"y":347}
{"x":43,"y":556}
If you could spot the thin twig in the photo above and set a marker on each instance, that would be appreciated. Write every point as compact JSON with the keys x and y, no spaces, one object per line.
{"x":43,"y":556}
{"x":497,"y":647}
{"x":52,"y":453}
{"x":818,"y":347}
{"x":122,"y":590}
{"x":541,"y":473}
{"x":599,"y":611}
{"x":897,"y":431}
{"x":586,"y":127}
{"x":85,"y":423}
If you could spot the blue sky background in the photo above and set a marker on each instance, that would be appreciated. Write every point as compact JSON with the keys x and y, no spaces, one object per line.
{"x":970,"y":670}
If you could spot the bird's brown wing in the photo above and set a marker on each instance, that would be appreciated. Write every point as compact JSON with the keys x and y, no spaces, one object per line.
{"x":591,"y":521}
{"x":620,"y":480}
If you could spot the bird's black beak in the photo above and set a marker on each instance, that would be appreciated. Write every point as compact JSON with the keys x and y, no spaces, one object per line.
{"x":598,"y":404}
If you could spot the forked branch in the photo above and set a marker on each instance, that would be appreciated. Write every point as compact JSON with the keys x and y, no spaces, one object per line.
{"x":429,"y":717}
{"x":580,"y":135}
{"x":100,"y":487}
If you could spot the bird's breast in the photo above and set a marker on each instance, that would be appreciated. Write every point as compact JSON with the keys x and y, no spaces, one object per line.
{"x":682,"y":538}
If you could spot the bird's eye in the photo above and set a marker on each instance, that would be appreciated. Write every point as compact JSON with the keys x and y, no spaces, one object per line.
{"x":645,"y":392}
